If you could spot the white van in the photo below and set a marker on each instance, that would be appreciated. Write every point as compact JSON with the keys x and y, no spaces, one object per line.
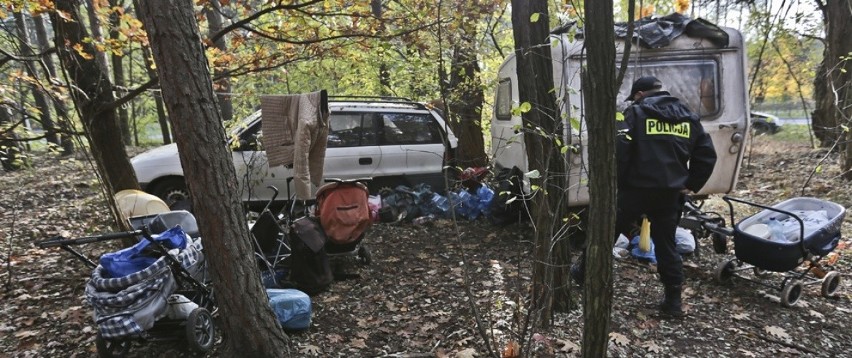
{"x":709,"y":78}
{"x":393,"y":141}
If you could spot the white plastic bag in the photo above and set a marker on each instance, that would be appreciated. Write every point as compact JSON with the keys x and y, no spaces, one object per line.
{"x":684,"y":241}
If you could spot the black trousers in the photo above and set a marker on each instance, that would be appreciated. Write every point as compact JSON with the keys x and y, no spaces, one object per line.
{"x":663,"y":208}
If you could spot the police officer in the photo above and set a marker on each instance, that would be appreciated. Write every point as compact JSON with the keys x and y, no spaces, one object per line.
{"x":662,"y":153}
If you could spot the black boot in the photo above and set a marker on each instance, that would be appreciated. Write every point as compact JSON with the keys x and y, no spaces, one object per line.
{"x":672,"y":305}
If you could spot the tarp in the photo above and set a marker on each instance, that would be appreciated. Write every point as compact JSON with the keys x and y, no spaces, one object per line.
{"x":659,"y":32}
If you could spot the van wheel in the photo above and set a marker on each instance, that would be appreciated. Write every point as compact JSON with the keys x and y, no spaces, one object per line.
{"x":173,"y":191}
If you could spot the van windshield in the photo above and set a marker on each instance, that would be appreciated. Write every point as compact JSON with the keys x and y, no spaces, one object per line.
{"x":695,"y":82}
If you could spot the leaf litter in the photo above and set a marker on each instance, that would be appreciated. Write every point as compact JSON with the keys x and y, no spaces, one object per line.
{"x":412,"y":300}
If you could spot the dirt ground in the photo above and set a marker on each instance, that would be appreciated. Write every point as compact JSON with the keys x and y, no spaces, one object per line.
{"x":429,"y":286}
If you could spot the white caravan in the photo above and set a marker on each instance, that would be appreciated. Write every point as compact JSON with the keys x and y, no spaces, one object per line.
{"x":708,"y":77}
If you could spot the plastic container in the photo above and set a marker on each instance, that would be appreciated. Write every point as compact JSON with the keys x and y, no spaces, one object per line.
{"x":759,"y":230}
{"x":440,"y":203}
{"x":292,"y":308}
{"x":776,"y":230}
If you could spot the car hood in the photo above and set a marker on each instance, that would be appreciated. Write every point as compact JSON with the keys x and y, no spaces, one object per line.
{"x":157,"y":163}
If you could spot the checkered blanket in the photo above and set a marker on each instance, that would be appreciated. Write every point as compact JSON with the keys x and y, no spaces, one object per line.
{"x":128,"y":306}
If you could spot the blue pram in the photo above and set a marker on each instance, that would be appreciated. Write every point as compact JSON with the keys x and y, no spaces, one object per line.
{"x":784,"y":248}
{"x":155,"y":290}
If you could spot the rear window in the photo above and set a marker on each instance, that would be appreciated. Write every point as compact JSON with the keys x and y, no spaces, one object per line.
{"x":695,"y":82}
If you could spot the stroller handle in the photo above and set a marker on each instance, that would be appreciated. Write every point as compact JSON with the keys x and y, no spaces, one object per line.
{"x":57,"y":241}
{"x":346,"y":181}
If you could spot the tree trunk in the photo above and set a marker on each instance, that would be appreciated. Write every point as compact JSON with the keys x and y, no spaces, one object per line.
{"x":10,"y":148}
{"x":249,"y":325}
{"x":466,"y":98}
{"x":833,"y":84}
{"x":65,"y":124}
{"x":384,"y":73}
{"x":599,"y":88}
{"x":542,"y":126}
{"x":97,"y":33}
{"x":223,"y":85}
{"x":118,"y":69}
{"x":162,"y":119}
{"x":39,"y":95}
{"x":94,"y":99}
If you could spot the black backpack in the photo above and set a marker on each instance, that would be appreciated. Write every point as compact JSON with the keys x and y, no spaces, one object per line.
{"x":310,"y":271}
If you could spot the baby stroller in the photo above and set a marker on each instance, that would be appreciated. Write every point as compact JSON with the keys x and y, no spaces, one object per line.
{"x":155,"y":290}
{"x":780,"y":239}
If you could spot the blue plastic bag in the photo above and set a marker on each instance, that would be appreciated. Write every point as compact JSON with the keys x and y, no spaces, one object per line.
{"x":133,"y":259}
{"x":291,"y":307}
{"x":639,"y":254}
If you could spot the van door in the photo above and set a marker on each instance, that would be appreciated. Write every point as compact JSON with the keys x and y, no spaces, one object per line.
{"x":412,"y":145}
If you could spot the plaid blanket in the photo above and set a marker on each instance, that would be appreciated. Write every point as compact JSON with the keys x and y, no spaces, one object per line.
{"x":128,"y":306}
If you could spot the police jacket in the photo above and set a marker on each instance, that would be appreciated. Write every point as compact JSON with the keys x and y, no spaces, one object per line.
{"x":661,"y":144}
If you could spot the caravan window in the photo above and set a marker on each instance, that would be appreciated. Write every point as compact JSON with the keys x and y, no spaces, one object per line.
{"x":695,"y":82}
{"x":503,"y":102}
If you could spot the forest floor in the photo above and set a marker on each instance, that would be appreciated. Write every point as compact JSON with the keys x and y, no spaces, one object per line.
{"x":429,"y":285}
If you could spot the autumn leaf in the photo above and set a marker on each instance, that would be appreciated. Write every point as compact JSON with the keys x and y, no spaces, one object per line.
{"x":619,"y":339}
{"x":777,"y":332}
{"x":358,"y":343}
{"x":310,"y":349}
{"x":512,"y":350}
{"x":467,"y":353}
{"x":652,"y":347}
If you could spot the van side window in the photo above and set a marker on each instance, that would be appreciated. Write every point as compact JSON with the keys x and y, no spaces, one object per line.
{"x":503,"y":100}
{"x":350,"y":130}
{"x":409,"y":128}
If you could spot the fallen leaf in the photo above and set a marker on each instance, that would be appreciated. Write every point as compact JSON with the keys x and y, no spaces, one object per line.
{"x":777,"y":332}
{"x":310,"y":349}
{"x":358,"y":343}
{"x":567,"y":346}
{"x":619,"y":339}
{"x":512,"y":350}
{"x":652,"y":347}
{"x":746,"y":353}
{"x":467,"y":353}
{"x":741,"y":316}
{"x":335,"y":338}
{"x":27,"y":334}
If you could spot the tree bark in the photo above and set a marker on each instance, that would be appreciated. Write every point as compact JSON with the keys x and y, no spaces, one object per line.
{"x":249,"y":325}
{"x":58,"y":104}
{"x":542,"y":125}
{"x":600,"y":90}
{"x":384,"y":72}
{"x":223,"y":85}
{"x":39,"y":96}
{"x":832,"y":92}
{"x":92,"y":93}
{"x":466,"y":95}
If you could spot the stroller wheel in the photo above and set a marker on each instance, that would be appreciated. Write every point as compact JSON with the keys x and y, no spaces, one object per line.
{"x":365,"y":255}
{"x":725,"y":270}
{"x":720,"y":243}
{"x":791,"y":293}
{"x":830,"y":284}
{"x":111,"y":348}
{"x":200,"y":330}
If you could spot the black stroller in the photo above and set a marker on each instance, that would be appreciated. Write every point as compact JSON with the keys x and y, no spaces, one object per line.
{"x":169,"y":299}
{"x":805,"y":239}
